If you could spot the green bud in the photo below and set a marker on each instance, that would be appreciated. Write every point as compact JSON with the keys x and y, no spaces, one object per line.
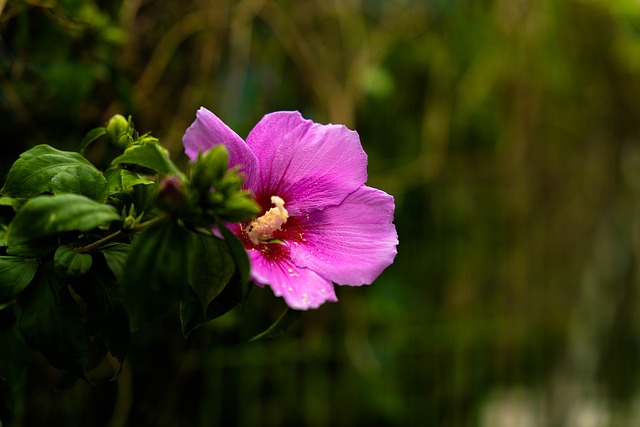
{"x":120,"y":131}
{"x":231,"y":183}
{"x":147,"y":138}
{"x":239,"y":207}
{"x":130,"y":220}
{"x":129,"y":223}
{"x":209,"y":168}
{"x":215,"y":199}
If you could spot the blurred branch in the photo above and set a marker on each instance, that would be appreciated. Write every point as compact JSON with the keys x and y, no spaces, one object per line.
{"x":216,"y":15}
{"x":14,"y":100}
{"x":296,"y":46}
{"x":310,"y":60}
{"x":164,"y":50}
{"x":240,"y":43}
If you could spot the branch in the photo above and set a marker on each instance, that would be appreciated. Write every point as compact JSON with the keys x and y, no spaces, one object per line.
{"x":99,"y":243}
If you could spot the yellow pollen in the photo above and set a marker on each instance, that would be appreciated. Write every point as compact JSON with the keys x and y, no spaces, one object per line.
{"x":262,"y":228}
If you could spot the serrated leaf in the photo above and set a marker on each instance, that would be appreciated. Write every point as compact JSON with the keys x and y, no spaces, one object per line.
{"x":156,"y":271}
{"x":288,"y":318}
{"x":149,"y":156}
{"x":15,"y":274}
{"x":51,"y":322}
{"x":84,"y":180}
{"x":31,"y":174}
{"x":116,"y":255}
{"x":119,"y":179}
{"x":45,"y":216}
{"x":70,"y":263}
{"x":91,"y":136}
{"x":211,"y":267}
{"x":238,"y":253}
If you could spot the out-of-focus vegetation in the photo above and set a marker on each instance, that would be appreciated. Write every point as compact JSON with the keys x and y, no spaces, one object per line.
{"x":507,"y":130}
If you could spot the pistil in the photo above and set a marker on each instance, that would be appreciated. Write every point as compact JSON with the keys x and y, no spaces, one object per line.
{"x":261,"y":230}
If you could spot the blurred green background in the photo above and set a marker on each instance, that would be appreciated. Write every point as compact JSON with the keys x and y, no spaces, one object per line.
{"x":508,"y":132}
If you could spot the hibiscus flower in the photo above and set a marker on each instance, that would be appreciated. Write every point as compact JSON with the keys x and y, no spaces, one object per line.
{"x":320,"y":223}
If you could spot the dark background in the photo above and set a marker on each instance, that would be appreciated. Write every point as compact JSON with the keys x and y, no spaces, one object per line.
{"x":508,"y":132}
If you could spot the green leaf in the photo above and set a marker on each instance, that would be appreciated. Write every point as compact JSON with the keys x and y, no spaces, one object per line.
{"x":84,"y":180}
{"x":288,"y":318}
{"x":211,"y":267}
{"x":91,"y":136}
{"x":116,"y":255}
{"x":12,"y":201}
{"x":156,"y":271}
{"x":32,"y":248}
{"x":44,"y":216}
{"x":107,"y":316}
{"x":52,"y":323}
{"x":70,"y":263}
{"x":214,"y":288}
{"x":238,"y":253}
{"x":144,"y":199}
{"x":15,"y":274}
{"x":31,"y":174}
{"x":149,"y":156}
{"x":119,"y":179}
{"x":191,"y":315}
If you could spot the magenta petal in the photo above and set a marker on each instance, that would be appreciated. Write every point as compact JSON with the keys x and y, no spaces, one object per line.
{"x":309,"y":165}
{"x":301,"y":288}
{"x":352,"y":243}
{"x":208,"y":131}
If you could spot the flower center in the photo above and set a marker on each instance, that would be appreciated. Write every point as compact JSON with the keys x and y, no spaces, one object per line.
{"x":261,"y":230}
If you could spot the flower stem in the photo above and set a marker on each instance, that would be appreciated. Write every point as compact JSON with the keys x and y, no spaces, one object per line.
{"x":113,"y":236}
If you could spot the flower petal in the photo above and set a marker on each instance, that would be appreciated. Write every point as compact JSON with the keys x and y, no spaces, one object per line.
{"x":352,"y":243}
{"x":301,"y":288}
{"x":309,"y":165}
{"x":208,"y":131}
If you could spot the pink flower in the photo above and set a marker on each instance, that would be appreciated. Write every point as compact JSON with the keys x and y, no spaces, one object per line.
{"x":320,"y":223}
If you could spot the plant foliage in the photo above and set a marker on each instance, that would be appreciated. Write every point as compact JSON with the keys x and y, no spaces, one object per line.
{"x":87,"y":256}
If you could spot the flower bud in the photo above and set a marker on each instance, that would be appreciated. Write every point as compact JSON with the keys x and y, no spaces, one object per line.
{"x":120,"y":131}
{"x":215,"y":199}
{"x":171,"y":197}
{"x":239,"y":207}
{"x":209,"y":168}
{"x":129,"y":223}
{"x":231,"y":183}
{"x":130,"y":220}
